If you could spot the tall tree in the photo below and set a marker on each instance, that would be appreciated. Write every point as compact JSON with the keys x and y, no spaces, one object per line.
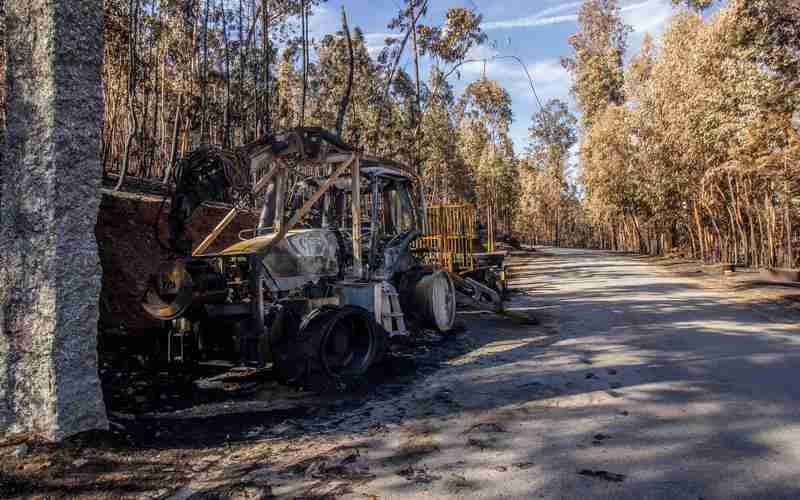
{"x":552,"y":134}
{"x":484,"y":116}
{"x":700,"y":156}
{"x":597,"y":60}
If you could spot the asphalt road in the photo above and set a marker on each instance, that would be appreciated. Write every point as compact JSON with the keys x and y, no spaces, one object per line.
{"x":636,"y":384}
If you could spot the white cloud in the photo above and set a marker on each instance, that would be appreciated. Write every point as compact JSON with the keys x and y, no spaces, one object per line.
{"x":647,"y":13}
{"x":326,"y":20}
{"x":542,"y":18}
{"x":639,"y":5}
{"x":560,"y":8}
{"x":549,"y":77}
{"x":482,"y":52}
{"x":648,"y":17}
{"x":548,"y":72}
{"x":375,"y":42}
{"x":529,"y":22}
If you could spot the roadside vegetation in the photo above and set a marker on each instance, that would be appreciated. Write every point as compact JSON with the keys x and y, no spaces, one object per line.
{"x":686,"y":146}
{"x":179,"y":74}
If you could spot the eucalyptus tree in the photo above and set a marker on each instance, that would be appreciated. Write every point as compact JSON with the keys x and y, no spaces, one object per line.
{"x":445,"y":174}
{"x":597,"y":61}
{"x":700,"y":155}
{"x":553,"y":132}
{"x":178,"y":73}
{"x":446,"y":45}
{"x":484,"y":115}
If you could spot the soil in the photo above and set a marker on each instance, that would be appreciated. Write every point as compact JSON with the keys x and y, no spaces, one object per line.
{"x":746,"y":285}
{"x":130,"y":252}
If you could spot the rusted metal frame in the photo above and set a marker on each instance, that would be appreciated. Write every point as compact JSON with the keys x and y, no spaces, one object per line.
{"x":373,"y":235}
{"x":406,"y":206}
{"x":258,"y":153}
{"x":327,"y":220}
{"x":251,"y":340}
{"x":278,"y":172}
{"x":479,"y":291}
{"x":230,"y":216}
{"x":389,"y":212}
{"x":281,"y":187}
{"x":330,"y":181}
{"x":264,"y":182}
{"x":356,"y":216}
{"x":216,"y":232}
{"x":280,"y":200}
{"x":266,"y":212}
{"x":277,"y":175}
{"x":285,"y":228}
{"x":336,"y":158}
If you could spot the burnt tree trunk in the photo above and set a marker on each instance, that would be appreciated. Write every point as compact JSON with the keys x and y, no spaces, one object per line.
{"x":50,"y":272}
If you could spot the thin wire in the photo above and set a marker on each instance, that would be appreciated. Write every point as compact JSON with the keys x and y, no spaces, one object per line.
{"x":527,"y":73}
{"x":521,"y":63}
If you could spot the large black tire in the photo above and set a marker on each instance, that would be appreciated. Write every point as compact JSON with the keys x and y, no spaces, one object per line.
{"x":332,"y":349}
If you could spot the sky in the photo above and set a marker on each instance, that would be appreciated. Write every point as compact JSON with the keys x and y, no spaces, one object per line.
{"x":536,"y":31}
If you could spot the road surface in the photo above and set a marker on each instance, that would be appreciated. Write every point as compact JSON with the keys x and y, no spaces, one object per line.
{"x":637,"y":384}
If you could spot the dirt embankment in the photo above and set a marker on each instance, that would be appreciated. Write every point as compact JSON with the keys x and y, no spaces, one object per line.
{"x":130,"y":252}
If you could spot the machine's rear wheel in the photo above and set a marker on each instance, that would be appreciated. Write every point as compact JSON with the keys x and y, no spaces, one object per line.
{"x":428,"y":299}
{"x":334,"y":348}
{"x":435,"y":297}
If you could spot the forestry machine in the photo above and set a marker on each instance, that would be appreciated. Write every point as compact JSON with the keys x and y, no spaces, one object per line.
{"x":326,"y":278}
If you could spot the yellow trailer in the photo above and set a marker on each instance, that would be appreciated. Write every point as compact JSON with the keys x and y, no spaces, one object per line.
{"x":451,"y":241}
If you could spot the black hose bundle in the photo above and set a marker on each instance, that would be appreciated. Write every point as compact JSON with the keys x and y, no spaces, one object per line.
{"x":207,"y":173}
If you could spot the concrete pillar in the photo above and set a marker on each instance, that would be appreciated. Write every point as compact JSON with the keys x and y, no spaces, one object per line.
{"x":50,"y":272}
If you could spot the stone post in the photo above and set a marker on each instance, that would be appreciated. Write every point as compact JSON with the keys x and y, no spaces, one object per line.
{"x":49,"y":267}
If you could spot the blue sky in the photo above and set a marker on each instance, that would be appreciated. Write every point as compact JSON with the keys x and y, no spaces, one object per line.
{"x":534,"y":30}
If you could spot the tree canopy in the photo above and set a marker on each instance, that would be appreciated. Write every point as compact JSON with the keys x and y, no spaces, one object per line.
{"x":689,"y":147}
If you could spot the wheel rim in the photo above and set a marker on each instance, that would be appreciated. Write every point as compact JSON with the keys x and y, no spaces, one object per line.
{"x":443,"y":301}
{"x":348,"y":344}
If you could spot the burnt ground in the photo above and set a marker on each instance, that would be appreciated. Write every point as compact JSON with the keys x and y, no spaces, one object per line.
{"x":640,"y":380}
{"x":164,"y":423}
{"x":171,"y":408}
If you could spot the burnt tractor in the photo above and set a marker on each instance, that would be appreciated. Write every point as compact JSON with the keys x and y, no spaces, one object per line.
{"x":321,"y":285}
